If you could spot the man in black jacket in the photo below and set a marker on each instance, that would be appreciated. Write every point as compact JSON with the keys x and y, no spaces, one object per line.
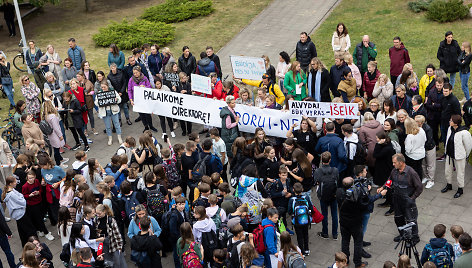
{"x":6,"y":234}
{"x":467,"y":113}
{"x":406,"y":188}
{"x":448,"y":52}
{"x":178,"y":215}
{"x":449,"y":106}
{"x":336,"y":73}
{"x":305,"y":51}
{"x":128,"y":70}
{"x":212,"y":56}
{"x":147,"y":243}
{"x":417,"y":106}
{"x":350,"y":220}
{"x":9,"y":16}
{"x":187,"y":62}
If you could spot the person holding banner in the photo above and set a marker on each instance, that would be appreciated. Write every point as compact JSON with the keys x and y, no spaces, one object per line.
{"x":139,"y":80}
{"x":229,"y":124}
{"x":268,"y":85}
{"x":295,"y":81}
{"x":109,"y":112}
{"x":185,"y":88}
{"x":170,"y":122}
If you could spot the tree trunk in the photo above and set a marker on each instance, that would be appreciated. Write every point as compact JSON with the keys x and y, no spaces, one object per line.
{"x":87,"y":5}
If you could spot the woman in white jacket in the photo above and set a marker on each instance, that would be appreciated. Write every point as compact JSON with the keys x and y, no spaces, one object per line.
{"x":203,"y":224}
{"x":109,"y":112}
{"x":340,"y":40}
{"x":458,"y":146}
{"x":414,"y":145}
{"x":16,"y":204}
{"x":383,"y":88}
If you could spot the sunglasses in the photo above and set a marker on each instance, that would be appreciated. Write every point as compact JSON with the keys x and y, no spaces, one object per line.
{"x":26,"y":79}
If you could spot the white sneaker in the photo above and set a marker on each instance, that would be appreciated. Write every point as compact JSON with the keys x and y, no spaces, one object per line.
{"x":172,"y":134}
{"x":7,"y":219}
{"x":64,"y":166}
{"x":429,"y":184}
{"x":64,"y":160}
{"x":425,"y":180}
{"x":49,"y":236}
{"x":163,"y":134}
{"x":40,"y":234}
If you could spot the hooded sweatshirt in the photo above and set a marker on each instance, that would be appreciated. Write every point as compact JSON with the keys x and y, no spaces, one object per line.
{"x":147,"y":243}
{"x":211,"y":211}
{"x":436,"y":243}
{"x":203,"y":226}
{"x":16,"y":204}
{"x":398,"y":58}
{"x":270,"y":237}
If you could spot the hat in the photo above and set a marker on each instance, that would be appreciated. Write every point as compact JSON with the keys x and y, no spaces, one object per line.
{"x":233,"y":222}
{"x":265,"y":76}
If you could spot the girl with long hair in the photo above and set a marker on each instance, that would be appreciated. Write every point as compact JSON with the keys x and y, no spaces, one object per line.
{"x":93,"y":174}
{"x":108,"y":228}
{"x":302,"y":172}
{"x":388,"y":111}
{"x":16,"y":204}
{"x":147,"y":155}
{"x":74,"y":120}
{"x":250,"y":257}
{"x":187,"y":240}
{"x":89,"y":222}
{"x":134,"y":228}
{"x":67,"y":189}
{"x":414,"y":145}
{"x":88,"y":199}
{"x":341,"y":42}
{"x":104,"y":189}
{"x":43,"y":253}
{"x":318,"y":81}
{"x":295,"y":81}
{"x":282,"y":68}
{"x":464,"y":60}
{"x":260,"y":142}
{"x":64,"y":224}
{"x":56,"y":139}
{"x":21,"y":169}
{"x":269,"y":169}
{"x":287,"y":248}
{"x":52,"y":177}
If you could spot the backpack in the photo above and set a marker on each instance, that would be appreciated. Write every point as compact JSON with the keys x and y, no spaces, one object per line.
{"x":130,"y":203}
{"x":224,"y":235}
{"x":301,"y":211}
{"x":118,"y":205}
{"x":65,"y":253}
{"x":155,"y":201}
{"x":141,"y":258}
{"x":209,"y":243}
{"x":358,"y":193}
{"x":396,"y":146}
{"x":294,"y":260}
{"x":166,"y":220}
{"x":258,"y":234}
{"x":217,"y":219}
{"x":199,"y":170}
{"x":439,"y":256}
{"x":79,"y":170}
{"x":327,"y":190}
{"x":45,"y":128}
{"x":171,"y":173}
{"x":190,"y":258}
{"x":361,"y":152}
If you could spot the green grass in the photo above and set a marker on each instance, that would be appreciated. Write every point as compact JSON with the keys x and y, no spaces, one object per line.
{"x":56,"y":26}
{"x":382,"y":20}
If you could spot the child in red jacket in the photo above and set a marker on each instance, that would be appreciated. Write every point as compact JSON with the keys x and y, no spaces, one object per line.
{"x":31,"y":190}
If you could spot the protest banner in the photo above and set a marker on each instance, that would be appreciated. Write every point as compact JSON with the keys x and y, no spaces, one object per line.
{"x":106,"y":98}
{"x":247,"y":67}
{"x":324,"y":109}
{"x":207,"y":111}
{"x":201,"y":83}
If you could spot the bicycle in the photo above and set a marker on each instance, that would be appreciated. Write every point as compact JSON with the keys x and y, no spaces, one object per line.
{"x":11,"y":133}
{"x":19,"y":61}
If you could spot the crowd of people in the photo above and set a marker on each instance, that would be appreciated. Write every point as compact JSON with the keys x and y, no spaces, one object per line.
{"x":232,"y":199}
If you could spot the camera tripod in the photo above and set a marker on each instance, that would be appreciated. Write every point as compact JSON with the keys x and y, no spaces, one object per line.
{"x":407,"y":247}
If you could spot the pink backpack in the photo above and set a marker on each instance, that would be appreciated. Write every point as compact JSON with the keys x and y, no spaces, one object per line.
{"x":190,"y":258}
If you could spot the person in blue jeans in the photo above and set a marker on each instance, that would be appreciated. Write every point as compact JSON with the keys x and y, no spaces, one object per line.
{"x":326,"y":177}
{"x":109,"y":112}
{"x":464,"y":68}
{"x":5,"y":234}
{"x":360,"y":173}
{"x":6,"y":83}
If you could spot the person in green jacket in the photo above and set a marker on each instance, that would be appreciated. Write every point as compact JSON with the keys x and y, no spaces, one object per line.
{"x":363,"y":53}
{"x":293,"y":78}
{"x":186,"y":240}
{"x":116,"y":56}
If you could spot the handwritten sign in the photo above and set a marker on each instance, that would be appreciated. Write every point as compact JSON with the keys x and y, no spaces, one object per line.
{"x":324,"y":109}
{"x":248,"y":67}
{"x":201,"y":83}
{"x":106,"y":98}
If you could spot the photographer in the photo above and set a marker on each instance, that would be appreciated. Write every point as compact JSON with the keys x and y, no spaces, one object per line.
{"x":407,"y":187}
{"x":350,"y":220}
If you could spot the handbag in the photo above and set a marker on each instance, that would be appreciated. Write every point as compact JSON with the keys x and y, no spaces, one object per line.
{"x":316,"y":216}
{"x":7,"y":81}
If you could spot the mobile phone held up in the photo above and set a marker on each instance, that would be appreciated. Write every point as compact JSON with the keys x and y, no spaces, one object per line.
{"x":165,"y":138}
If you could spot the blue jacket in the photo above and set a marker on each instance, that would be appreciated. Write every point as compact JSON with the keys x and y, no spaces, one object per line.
{"x":270,"y":237}
{"x":155,"y":63}
{"x":119,"y":60}
{"x":336,"y":75}
{"x":133,"y":228}
{"x":77,"y":55}
{"x":119,"y":177}
{"x":436,"y":243}
{"x":335,"y":145}
{"x":206,"y":66}
{"x":33,"y":60}
{"x":406,"y":103}
{"x":213,"y":164}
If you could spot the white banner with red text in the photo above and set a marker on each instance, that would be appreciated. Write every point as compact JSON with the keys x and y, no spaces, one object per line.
{"x":324,"y":109}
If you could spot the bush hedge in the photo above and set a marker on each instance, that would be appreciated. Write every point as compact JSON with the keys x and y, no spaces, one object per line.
{"x":419,"y":5}
{"x":128,"y":35}
{"x":447,"y":11}
{"x":178,"y":10}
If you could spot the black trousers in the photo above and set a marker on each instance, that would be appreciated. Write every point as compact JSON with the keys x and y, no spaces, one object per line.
{"x":76,"y":132}
{"x":356,"y":233}
{"x":53,"y":211}
{"x":170,"y":122}
{"x":25,"y":229}
{"x":302,"y":237}
{"x":147,"y":120}
{"x":11,"y":26}
{"x":406,"y":212}
{"x":57,"y":156}
{"x":186,"y":126}
{"x":224,"y":172}
{"x":36,"y":217}
{"x":393,"y":79}
{"x":416,"y":165}
{"x":434,"y":124}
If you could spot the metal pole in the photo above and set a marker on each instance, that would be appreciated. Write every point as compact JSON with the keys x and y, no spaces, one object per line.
{"x":22,"y":31}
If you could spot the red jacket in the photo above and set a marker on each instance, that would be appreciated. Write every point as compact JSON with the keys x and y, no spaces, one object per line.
{"x":398,"y":58}
{"x":216,"y":91}
{"x":234,"y":92}
{"x":368,"y":85}
{"x":27,"y":189}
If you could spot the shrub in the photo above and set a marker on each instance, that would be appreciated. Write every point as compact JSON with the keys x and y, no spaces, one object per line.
{"x":178,"y":10}
{"x":419,"y":5}
{"x":447,"y":11}
{"x":130,"y":35}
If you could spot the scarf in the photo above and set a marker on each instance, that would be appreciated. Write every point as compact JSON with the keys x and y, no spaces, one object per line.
{"x":79,"y":94}
{"x":317,"y":96}
{"x":139,"y":79}
{"x":51,"y":65}
{"x":372,"y":76}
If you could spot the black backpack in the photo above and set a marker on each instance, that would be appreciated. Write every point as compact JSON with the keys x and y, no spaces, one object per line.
{"x":45,"y":128}
{"x":361,"y":153}
{"x":199,"y":170}
{"x":327,"y":190}
{"x":209,"y":243}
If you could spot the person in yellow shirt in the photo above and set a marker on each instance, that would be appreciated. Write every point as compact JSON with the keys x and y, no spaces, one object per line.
{"x":266,"y":82}
{"x":426,"y":80}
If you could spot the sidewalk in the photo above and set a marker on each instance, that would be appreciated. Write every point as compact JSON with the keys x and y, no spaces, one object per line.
{"x":276,"y":29}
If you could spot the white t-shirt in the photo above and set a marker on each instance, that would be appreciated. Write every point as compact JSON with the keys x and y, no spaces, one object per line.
{"x":220,"y":147}
{"x":280,"y":257}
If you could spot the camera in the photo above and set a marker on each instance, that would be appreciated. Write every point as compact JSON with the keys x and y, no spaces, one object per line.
{"x":406,"y":230}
